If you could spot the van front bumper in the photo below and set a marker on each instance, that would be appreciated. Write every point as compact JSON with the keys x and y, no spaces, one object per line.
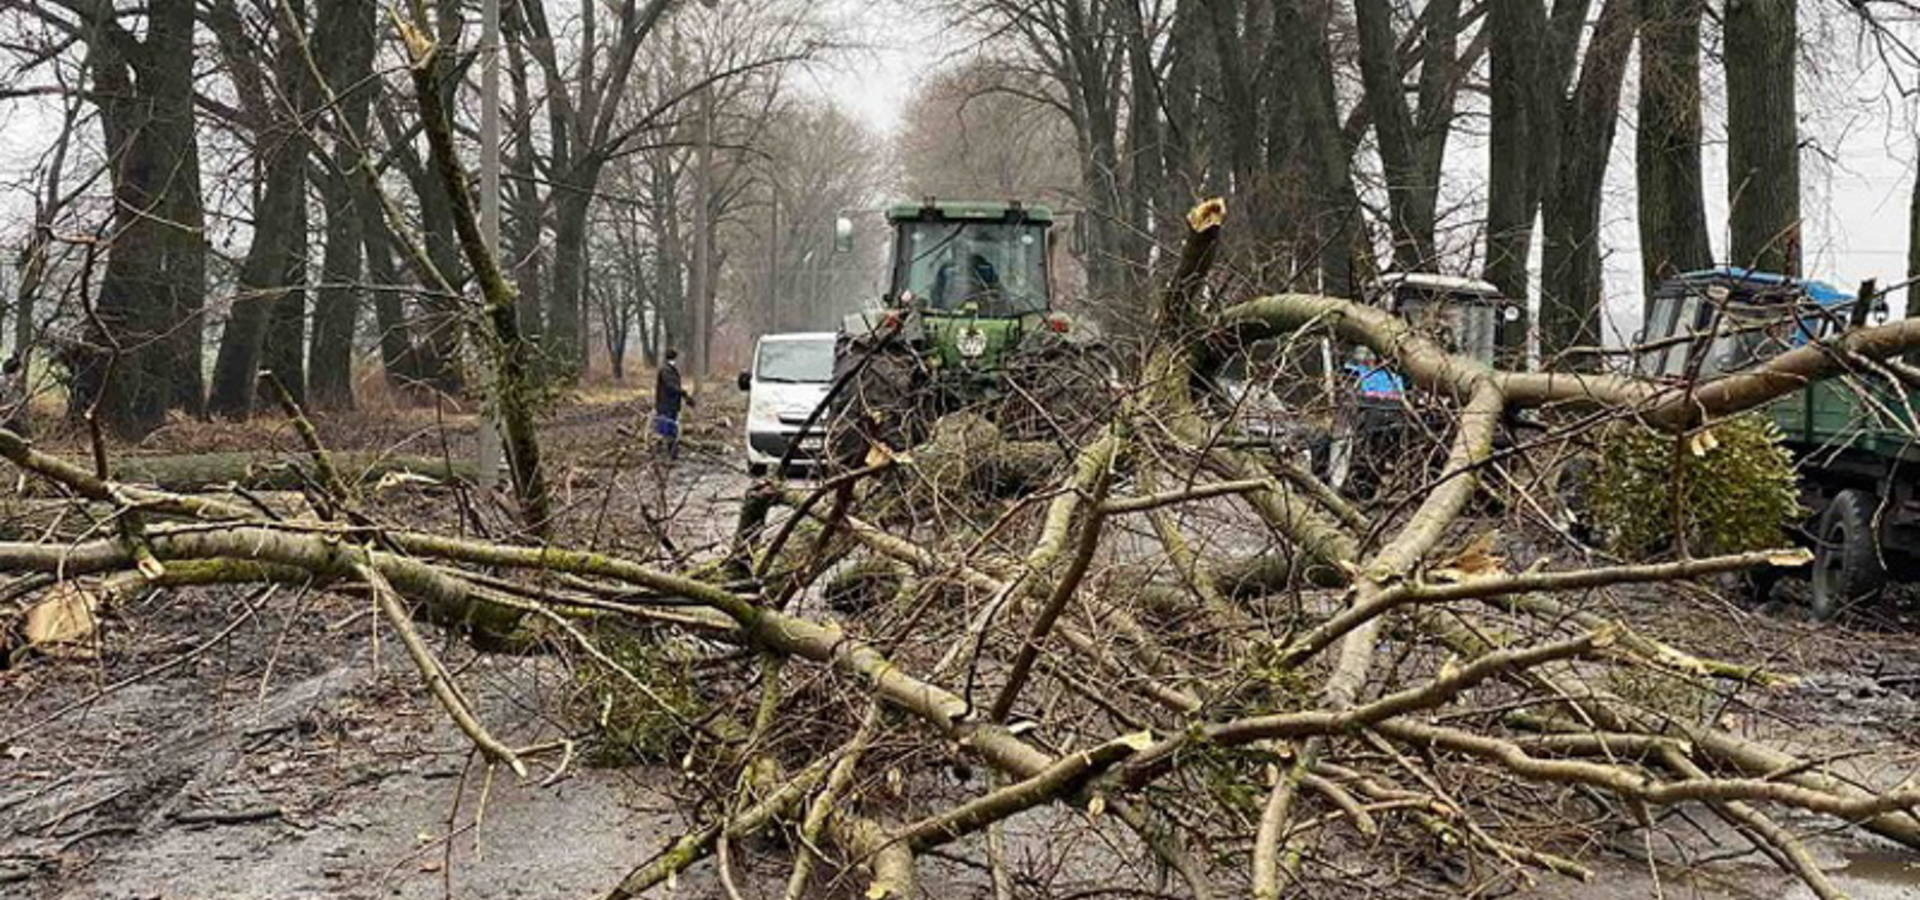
{"x":769,"y":447}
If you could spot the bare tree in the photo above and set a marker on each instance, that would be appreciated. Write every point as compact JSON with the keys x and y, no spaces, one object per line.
{"x":1570,"y":266}
{"x":146,"y":316}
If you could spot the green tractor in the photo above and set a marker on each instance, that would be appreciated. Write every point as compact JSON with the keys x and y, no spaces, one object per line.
{"x":967,"y":322}
{"x":1853,"y":443}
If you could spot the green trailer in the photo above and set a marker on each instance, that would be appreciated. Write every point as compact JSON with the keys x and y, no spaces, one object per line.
{"x":1853,"y":440}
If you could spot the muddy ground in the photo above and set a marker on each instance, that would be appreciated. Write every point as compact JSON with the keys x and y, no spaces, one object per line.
{"x":296,"y":755}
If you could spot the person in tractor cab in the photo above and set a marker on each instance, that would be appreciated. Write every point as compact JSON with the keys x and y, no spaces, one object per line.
{"x":1377,"y":384}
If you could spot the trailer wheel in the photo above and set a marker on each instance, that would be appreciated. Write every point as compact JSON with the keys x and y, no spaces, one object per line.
{"x":1846,"y":565}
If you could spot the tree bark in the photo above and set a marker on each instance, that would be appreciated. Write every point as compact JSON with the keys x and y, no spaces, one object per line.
{"x":1913,"y":250}
{"x":1336,"y":207}
{"x":272,"y":295}
{"x":1673,"y":215}
{"x":1570,"y":270}
{"x":1763,"y":162}
{"x":397,"y":355}
{"x":343,"y":47}
{"x":1410,"y":194}
{"x":563,"y":337}
{"x":1515,"y":61}
{"x":146,"y":318}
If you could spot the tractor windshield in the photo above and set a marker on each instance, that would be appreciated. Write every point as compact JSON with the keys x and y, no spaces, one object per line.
{"x":996,"y":269}
{"x":1465,"y":323}
{"x":1744,"y":327}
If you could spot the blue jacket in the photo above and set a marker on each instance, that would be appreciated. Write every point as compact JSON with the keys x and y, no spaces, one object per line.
{"x":1377,"y":382}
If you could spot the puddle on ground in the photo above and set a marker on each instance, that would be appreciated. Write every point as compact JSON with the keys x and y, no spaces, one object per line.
{"x":1881,"y":867}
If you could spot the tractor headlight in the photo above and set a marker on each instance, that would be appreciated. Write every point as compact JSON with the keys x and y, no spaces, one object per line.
{"x":972,"y":343}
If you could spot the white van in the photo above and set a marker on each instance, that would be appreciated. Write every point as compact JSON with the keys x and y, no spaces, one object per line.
{"x":790,"y":377}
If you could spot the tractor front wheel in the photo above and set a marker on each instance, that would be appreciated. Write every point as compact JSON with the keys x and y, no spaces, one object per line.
{"x":1846,"y":566}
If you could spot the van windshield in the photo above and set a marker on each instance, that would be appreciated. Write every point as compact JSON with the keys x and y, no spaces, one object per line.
{"x":795,"y":362}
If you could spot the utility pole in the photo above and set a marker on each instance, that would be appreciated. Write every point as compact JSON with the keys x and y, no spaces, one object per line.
{"x":702,"y":300}
{"x":773,"y":258}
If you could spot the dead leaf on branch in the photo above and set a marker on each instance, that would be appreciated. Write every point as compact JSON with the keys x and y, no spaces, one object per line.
{"x":1476,"y":560}
{"x":65,"y":622}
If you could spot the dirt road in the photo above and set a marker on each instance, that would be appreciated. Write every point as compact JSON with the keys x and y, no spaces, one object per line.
{"x":297,"y":756}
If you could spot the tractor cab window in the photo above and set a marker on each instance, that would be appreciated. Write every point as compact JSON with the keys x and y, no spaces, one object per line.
{"x":1750,"y":334}
{"x":1670,"y":322}
{"x":1746,"y":328}
{"x":1463,"y":323}
{"x":986,"y":268}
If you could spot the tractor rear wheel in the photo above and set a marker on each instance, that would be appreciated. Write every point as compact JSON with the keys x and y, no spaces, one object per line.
{"x":885,"y":403}
{"x":1846,"y":566}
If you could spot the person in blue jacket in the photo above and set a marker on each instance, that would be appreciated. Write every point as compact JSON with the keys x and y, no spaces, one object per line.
{"x":1377,"y":383}
{"x":668,"y":395}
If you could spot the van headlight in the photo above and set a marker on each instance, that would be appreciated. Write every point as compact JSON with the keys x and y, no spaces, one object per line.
{"x":762,"y":409}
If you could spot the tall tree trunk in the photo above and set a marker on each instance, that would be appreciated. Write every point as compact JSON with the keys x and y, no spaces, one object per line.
{"x":272,"y":299}
{"x":1515,"y":61}
{"x":397,"y":357}
{"x":1144,"y":154}
{"x":670,"y":268}
{"x":1337,"y":209}
{"x":701,"y":288}
{"x":1913,"y":253}
{"x":1410,"y":198}
{"x":564,"y":341}
{"x":1570,"y":267}
{"x":343,"y":44}
{"x":1443,"y":70}
{"x":1763,"y":161}
{"x":336,"y":304}
{"x":1673,"y":213}
{"x":146,"y":315}
{"x":283,"y":351}
{"x":523,"y":194}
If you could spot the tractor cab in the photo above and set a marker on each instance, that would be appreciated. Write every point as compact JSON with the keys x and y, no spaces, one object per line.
{"x":1463,"y":314}
{"x":968,"y":283}
{"x":1745,"y":317}
{"x":967,"y":321}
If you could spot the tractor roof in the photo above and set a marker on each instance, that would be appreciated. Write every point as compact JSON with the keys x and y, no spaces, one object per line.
{"x":976,"y":210}
{"x":1753,"y":282}
{"x":1444,"y":284}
